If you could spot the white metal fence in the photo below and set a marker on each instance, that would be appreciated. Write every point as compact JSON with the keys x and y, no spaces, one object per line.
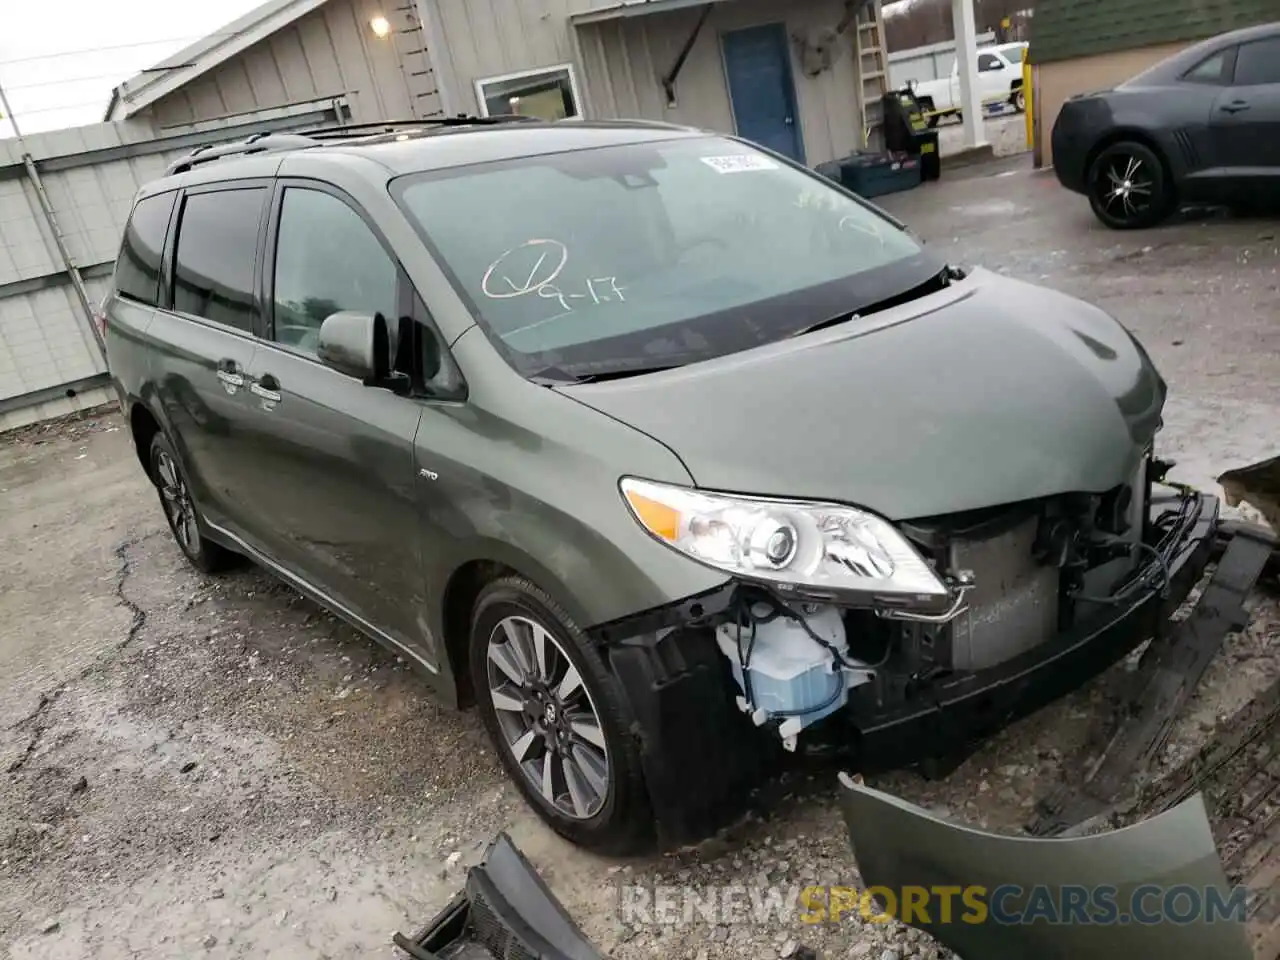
{"x":64,"y":199}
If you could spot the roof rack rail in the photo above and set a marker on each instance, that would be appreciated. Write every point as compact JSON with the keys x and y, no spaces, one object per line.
{"x":391,"y":126}
{"x":275,"y":142}
{"x":257,"y":143}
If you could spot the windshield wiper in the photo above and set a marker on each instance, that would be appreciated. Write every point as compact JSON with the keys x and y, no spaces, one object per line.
{"x":623,"y":374}
{"x":833,"y":322}
{"x":938,"y":281}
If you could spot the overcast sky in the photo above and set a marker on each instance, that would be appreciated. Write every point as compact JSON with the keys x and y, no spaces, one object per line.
{"x":59,"y":59}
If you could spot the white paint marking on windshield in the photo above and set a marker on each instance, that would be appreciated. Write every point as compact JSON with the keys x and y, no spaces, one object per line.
{"x":552,"y":250}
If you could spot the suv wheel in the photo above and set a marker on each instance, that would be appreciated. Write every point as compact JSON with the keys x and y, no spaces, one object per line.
{"x":180,"y":510}
{"x":556,"y":718}
{"x":1019,"y":100}
{"x":1128,"y":189}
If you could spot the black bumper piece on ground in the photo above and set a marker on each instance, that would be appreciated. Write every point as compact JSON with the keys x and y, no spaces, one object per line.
{"x":505,"y":912}
{"x":702,"y":759}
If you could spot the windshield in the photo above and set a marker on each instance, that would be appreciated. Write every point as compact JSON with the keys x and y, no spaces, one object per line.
{"x":654,"y":254}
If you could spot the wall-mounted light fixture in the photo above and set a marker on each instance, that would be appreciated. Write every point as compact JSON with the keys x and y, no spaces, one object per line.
{"x":380,"y":26}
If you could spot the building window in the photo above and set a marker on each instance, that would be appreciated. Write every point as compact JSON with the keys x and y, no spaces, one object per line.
{"x":548,"y":94}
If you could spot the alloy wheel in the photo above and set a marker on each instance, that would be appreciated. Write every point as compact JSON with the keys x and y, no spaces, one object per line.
{"x":177,"y":503}
{"x":547,"y":718}
{"x":1126,"y":187}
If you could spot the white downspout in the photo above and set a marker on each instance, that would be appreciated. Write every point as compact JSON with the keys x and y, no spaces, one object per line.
{"x":967,"y":68}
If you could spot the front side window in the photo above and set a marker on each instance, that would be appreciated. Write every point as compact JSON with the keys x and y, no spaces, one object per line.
{"x":216,"y":252}
{"x":654,"y":254}
{"x":327,"y":260}
{"x":988,"y":62}
{"x":1258,"y":63}
{"x":137,"y":274}
{"x":550,"y":94}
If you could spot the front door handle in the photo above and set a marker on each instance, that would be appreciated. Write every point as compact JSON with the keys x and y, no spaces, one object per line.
{"x":1235,"y":106}
{"x":267,"y":387}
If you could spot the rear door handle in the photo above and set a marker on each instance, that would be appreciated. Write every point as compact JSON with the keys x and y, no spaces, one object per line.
{"x":1235,"y":106}
{"x":267,"y":387}
{"x":229,"y":372}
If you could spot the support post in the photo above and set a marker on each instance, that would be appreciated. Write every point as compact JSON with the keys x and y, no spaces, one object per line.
{"x":967,"y":69}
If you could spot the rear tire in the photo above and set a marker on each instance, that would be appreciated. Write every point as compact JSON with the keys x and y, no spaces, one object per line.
{"x":1128,"y":188}
{"x":180,"y":511}
{"x":556,"y":719}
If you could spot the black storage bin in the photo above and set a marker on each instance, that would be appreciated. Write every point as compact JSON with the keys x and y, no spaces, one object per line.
{"x":875,"y":174}
{"x":830,"y":170}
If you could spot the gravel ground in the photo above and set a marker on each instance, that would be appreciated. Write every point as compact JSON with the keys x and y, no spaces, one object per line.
{"x":216,"y":767}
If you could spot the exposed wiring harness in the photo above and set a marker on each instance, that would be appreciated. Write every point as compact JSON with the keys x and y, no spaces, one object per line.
{"x":1163,"y":553}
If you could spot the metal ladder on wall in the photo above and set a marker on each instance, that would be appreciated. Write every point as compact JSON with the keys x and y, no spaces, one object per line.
{"x":873,"y":72}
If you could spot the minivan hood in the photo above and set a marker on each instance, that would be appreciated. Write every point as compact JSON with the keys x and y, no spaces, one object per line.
{"x":989,"y":392}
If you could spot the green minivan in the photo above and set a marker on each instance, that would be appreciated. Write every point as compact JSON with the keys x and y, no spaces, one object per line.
{"x":674,"y":459}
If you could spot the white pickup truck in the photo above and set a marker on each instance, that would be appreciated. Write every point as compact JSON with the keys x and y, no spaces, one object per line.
{"x":999,"y":81}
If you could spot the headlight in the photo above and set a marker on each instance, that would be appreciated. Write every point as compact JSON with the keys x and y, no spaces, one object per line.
{"x":822,"y":548}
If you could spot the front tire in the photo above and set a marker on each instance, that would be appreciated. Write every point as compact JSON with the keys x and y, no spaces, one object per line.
{"x":180,"y":510}
{"x":1019,"y":100}
{"x":556,"y":718}
{"x":1128,"y":188}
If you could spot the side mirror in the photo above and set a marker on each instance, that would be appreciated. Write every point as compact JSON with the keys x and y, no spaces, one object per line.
{"x":359,"y":345}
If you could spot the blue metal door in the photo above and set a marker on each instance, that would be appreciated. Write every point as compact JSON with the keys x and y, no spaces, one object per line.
{"x":758,"y":64}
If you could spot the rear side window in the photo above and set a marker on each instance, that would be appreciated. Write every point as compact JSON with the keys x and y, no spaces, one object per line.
{"x":216,"y":252}
{"x":137,"y":273}
{"x":1258,"y":63}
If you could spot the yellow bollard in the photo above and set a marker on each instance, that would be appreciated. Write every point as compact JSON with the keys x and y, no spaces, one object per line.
{"x":1027,"y":91}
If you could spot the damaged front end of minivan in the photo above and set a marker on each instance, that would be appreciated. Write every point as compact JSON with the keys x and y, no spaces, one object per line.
{"x":986,"y":616}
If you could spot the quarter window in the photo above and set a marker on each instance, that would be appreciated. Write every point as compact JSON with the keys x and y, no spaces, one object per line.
{"x":1212,"y":69}
{"x":1258,"y":63}
{"x":550,"y":94}
{"x":327,"y":260}
{"x":137,"y":273}
{"x":215,"y":257}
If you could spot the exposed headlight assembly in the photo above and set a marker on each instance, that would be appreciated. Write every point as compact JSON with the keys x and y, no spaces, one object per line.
{"x":823,"y":550}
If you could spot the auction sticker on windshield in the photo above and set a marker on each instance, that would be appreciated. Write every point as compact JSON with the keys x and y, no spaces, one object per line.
{"x":740,"y":163}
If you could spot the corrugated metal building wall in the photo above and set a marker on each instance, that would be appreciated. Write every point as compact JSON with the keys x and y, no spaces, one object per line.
{"x":325,"y":65}
{"x":619,"y":62}
{"x":329,"y":52}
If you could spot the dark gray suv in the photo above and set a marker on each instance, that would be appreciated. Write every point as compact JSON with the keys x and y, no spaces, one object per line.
{"x":671,"y":456}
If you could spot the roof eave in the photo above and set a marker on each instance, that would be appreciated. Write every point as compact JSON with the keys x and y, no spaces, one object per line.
{"x":143,"y":89}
